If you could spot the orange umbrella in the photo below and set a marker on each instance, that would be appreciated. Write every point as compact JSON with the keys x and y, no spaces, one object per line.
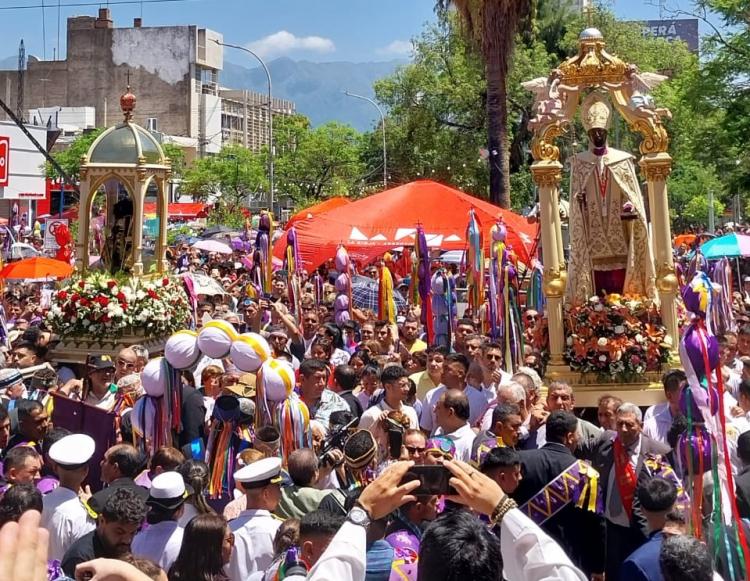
{"x":35,"y":268}
{"x":686,"y":239}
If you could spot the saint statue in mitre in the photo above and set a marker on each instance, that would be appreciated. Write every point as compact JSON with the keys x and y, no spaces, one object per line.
{"x":610,"y":249}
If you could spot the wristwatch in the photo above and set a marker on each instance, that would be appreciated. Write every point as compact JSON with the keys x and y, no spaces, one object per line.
{"x":359,"y":516}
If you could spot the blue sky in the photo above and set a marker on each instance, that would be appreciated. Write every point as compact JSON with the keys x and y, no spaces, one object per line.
{"x":319,"y":30}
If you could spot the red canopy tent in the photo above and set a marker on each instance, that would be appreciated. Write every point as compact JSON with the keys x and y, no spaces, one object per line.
{"x":312,"y":211}
{"x":378,"y":223}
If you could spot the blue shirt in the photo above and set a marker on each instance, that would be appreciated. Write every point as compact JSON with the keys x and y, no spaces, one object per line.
{"x":643,"y":563}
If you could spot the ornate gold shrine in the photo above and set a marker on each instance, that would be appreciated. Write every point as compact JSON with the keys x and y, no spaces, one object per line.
{"x":557,"y":99}
{"x":128,"y":157}
{"x":124,"y":161}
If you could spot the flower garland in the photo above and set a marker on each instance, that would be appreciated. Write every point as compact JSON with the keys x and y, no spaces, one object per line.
{"x":617,"y":337}
{"x":102,"y":306}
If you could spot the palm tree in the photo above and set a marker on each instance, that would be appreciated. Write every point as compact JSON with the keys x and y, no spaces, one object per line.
{"x":492,"y":26}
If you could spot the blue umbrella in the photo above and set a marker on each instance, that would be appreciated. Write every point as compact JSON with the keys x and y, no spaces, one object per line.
{"x":365,"y":294}
{"x":729,"y":245}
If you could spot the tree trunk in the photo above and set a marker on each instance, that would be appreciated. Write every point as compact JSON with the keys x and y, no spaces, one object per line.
{"x":497,"y":130}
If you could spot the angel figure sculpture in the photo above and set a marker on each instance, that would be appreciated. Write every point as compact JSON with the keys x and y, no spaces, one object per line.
{"x":550,"y":97}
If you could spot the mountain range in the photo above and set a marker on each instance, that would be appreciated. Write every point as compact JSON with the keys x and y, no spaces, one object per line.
{"x":317,"y":89}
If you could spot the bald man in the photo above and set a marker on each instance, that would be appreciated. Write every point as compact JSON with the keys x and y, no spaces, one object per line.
{"x":452,"y":418}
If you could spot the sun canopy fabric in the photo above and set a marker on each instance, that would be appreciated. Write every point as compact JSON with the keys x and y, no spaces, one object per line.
{"x":378,"y":223}
{"x":312,"y":211}
{"x":729,"y":245}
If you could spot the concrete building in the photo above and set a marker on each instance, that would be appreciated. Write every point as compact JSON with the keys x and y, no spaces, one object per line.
{"x":173,"y":70}
{"x":244,"y":117}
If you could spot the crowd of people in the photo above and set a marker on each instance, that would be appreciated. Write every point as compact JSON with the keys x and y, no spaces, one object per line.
{"x":357,"y":504}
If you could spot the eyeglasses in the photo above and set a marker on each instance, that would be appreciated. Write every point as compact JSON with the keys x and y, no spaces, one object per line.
{"x":415,"y":449}
{"x":125,"y":364}
{"x":493,"y":357}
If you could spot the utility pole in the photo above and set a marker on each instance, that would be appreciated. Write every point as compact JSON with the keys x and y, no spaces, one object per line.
{"x":711,"y":219}
{"x":382,"y":122}
{"x":270,"y":120}
{"x":21,"y":80}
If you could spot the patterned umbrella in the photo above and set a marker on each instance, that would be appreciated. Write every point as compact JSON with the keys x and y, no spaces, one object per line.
{"x":365,"y":294}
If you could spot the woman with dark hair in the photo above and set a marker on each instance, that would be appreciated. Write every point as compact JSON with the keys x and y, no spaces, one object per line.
{"x":359,"y":360}
{"x":206,"y":549}
{"x":339,"y":356}
{"x":195,"y":475}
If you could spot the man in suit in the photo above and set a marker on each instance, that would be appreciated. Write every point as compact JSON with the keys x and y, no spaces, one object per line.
{"x":560,"y":396}
{"x":577,"y":531}
{"x":620,"y":457}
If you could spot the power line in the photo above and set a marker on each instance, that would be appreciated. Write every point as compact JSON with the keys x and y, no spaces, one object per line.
{"x":79,"y":4}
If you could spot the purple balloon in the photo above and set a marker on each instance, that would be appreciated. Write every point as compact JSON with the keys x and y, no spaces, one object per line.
{"x":342,"y":283}
{"x":291,"y":236}
{"x":695,"y":292}
{"x":693,"y":347}
{"x":341,"y":303}
{"x":696,"y":449}
{"x":264,"y":223}
{"x":341,"y":317}
{"x":499,"y":233}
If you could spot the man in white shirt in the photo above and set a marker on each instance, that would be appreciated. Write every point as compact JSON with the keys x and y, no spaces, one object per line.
{"x":65,"y":515}
{"x":452,"y":411}
{"x":162,"y":540}
{"x":395,"y":382}
{"x":455,"y":368}
{"x":658,"y":418}
{"x":255,"y":528}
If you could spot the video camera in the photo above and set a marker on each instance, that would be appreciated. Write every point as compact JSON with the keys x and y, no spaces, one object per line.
{"x":335,"y":441}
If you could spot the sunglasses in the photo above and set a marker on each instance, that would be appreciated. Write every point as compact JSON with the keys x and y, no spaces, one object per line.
{"x":492,"y":357}
{"x":415,"y":449}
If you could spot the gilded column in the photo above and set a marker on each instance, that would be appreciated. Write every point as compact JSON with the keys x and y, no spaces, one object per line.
{"x":656,"y":167}
{"x":547,"y":175}
{"x":139,"y":195}
{"x":84,"y":220}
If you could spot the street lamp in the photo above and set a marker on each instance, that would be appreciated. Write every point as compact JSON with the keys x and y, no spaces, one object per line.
{"x":270,"y":119}
{"x":382,"y":120}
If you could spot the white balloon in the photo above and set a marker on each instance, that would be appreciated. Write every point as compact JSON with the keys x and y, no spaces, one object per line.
{"x":249,"y":352}
{"x":215,"y":339}
{"x":154,"y":377}
{"x":277,"y":379}
{"x":181,"y":349}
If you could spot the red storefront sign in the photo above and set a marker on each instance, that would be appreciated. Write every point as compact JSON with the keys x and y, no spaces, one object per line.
{"x":4,"y":161}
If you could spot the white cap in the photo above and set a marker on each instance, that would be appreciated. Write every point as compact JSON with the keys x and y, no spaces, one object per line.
{"x":259,"y":473}
{"x":72,"y":450}
{"x":167,"y":485}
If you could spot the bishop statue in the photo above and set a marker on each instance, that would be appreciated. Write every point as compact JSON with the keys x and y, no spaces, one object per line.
{"x":610,"y":248}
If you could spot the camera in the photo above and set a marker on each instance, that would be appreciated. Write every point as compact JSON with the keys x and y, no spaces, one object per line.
{"x":335,"y":440}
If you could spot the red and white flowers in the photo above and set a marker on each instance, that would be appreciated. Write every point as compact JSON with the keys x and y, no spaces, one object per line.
{"x":101,"y":306}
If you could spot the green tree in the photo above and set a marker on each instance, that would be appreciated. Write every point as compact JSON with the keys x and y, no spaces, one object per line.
{"x":70,"y":158}
{"x":176,"y":156}
{"x":492,"y":28}
{"x":229,"y":177}
{"x":312,"y":164}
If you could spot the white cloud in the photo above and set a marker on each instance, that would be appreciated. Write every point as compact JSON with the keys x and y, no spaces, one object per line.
{"x":397,"y":48}
{"x":283,"y":42}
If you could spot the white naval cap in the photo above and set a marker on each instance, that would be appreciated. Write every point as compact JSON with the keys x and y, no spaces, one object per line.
{"x":72,"y":450}
{"x":260,"y":473}
{"x":168,"y":490}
